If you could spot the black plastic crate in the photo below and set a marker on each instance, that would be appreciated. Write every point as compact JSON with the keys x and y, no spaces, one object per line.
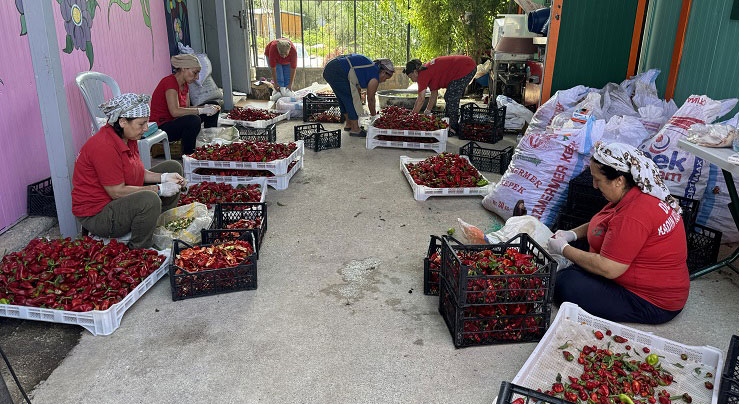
{"x":186,"y":285}
{"x":582,"y":199}
{"x":490,"y":324}
{"x":485,"y":159}
{"x":482,"y":124}
{"x":690,"y":210}
{"x":729,"y":390}
{"x":703,"y":246}
{"x":432,"y":268}
{"x":268,"y":134}
{"x":314,"y":104}
{"x":229,"y":213}
{"x":510,"y":392}
{"x":317,"y":138}
{"x":40,"y":196}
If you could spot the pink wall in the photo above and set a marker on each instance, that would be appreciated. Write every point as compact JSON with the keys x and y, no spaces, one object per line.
{"x":124,"y":49}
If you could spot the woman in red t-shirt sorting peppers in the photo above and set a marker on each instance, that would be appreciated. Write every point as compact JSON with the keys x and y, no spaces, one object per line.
{"x":110,"y":195}
{"x":636,"y":268}
{"x":451,"y":72}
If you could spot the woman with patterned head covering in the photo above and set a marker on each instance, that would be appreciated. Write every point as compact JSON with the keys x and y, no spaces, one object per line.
{"x":636,"y":268}
{"x":282,"y":59}
{"x":112,"y":193}
{"x":170,"y":104}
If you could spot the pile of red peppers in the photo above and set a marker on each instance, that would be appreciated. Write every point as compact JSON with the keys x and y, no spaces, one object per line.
{"x":399,"y":118}
{"x":216,"y":256}
{"x":409,"y":139}
{"x":258,"y":152}
{"x":478,"y":131}
{"x":74,"y":275}
{"x":239,"y":173}
{"x":210,"y":193}
{"x":446,"y":170}
{"x":251,"y":114}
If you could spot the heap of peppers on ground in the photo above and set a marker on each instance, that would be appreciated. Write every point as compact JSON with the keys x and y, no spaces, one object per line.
{"x":399,"y":118}
{"x":74,"y":275}
{"x":617,"y":377}
{"x":446,"y":170}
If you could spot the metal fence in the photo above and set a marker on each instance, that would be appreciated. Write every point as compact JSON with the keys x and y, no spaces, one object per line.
{"x":323,"y":29}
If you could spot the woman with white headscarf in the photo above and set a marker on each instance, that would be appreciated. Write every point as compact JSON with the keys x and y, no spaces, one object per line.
{"x":112,"y":193}
{"x":170,"y":104}
{"x":636,"y":268}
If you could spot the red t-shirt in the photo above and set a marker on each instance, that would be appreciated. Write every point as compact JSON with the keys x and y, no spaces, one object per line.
{"x":443,"y":70}
{"x":104,"y":160}
{"x":159,"y":109}
{"x":646,"y":234}
{"x":274,"y":56}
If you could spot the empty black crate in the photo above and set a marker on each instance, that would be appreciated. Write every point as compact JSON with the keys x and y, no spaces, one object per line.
{"x":226,"y":214}
{"x":315,"y":104}
{"x":492,"y":309}
{"x":729,"y":391}
{"x":582,"y":199}
{"x":268,"y":134}
{"x":209,"y":282}
{"x":510,"y":392}
{"x":482,"y":124}
{"x":485,"y":159}
{"x":703,"y":246}
{"x":432,"y":267}
{"x":41,"y":199}
{"x":690,"y":210}
{"x":317,"y":138}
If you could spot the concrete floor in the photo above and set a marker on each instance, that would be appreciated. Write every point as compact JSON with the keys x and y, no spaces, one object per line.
{"x":339,"y":315}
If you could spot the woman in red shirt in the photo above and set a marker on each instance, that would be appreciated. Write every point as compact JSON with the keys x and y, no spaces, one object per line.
{"x":170,"y":104}
{"x":451,"y":72}
{"x":636,"y":268}
{"x":110,"y":195}
{"x":282,"y":58}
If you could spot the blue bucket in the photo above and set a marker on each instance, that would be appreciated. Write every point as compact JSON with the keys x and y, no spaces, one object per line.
{"x":537,"y":21}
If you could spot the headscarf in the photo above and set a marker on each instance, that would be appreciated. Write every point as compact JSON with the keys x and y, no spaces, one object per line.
{"x":127,"y":105}
{"x":413,"y":65}
{"x":629,"y":159}
{"x":283,"y":47}
{"x":386,"y":65}
{"x":185,"y":61}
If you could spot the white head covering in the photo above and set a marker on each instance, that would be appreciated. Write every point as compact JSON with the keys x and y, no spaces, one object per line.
{"x":629,"y":159}
{"x":127,"y":105}
{"x":185,"y":61}
{"x":283,"y":47}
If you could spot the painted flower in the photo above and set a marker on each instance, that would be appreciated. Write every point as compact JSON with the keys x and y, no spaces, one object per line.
{"x":178,"y":28}
{"x":19,"y":6}
{"x":77,"y":22}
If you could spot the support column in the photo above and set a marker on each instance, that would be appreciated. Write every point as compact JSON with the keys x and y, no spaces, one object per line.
{"x":228,"y":101}
{"x":47,"y":70}
{"x":278,"y":20}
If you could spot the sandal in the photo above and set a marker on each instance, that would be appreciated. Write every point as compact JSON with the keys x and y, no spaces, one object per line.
{"x":350,"y":129}
{"x":361,"y":133}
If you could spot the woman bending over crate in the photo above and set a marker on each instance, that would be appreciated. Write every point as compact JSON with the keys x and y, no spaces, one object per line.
{"x":170,"y":104}
{"x":110,"y":195}
{"x":451,"y":72}
{"x":347,"y":75}
{"x":636,"y":268}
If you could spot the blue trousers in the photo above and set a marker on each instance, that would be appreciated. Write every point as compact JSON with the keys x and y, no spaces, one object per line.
{"x":283,"y":74}
{"x":338,"y":79}
{"x":605,"y":298}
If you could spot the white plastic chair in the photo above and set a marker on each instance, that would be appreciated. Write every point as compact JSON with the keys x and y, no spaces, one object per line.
{"x":91,"y":87}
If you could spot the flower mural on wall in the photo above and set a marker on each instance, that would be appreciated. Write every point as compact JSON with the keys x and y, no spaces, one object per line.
{"x":145,"y":10}
{"x":177,"y":24}
{"x":78,"y":16}
{"x":19,"y":6}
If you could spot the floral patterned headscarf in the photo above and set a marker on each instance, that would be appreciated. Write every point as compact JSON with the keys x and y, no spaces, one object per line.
{"x":629,"y":159}
{"x":127,"y":105}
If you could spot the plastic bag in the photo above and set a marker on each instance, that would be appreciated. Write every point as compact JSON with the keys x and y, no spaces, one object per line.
{"x":191,"y":235}
{"x":716,"y":135}
{"x":576,"y":118}
{"x":616,"y":102}
{"x":516,"y":115}
{"x":629,"y":85}
{"x":625,"y":129}
{"x":563,"y":100}
{"x":471,"y":233}
{"x":221,"y":136}
{"x":209,"y":91}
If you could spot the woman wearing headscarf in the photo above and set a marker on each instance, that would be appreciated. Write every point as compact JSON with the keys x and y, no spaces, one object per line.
{"x":451,"y":72}
{"x":282,"y":58}
{"x":112,"y":193}
{"x":348,"y":75}
{"x":170,"y":104}
{"x":635,"y":270}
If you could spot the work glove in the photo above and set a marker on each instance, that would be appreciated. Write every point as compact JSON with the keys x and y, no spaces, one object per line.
{"x":567,"y":235}
{"x":172,"y":177}
{"x":557,"y":245}
{"x":209,"y":110}
{"x":168,"y":189}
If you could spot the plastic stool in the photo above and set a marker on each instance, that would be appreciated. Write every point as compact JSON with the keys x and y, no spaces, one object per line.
{"x":145,"y":147}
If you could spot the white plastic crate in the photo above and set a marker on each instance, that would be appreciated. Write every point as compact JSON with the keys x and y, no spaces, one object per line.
{"x":96,"y":321}
{"x":277,"y":167}
{"x":422,"y":192}
{"x":233,"y":181}
{"x":440,"y":134}
{"x":575,"y":325}
{"x":278,"y":182}
{"x":438,"y":147}
{"x":223,"y":120}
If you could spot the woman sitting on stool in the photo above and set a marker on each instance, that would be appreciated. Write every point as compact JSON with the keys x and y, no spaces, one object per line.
{"x":109,"y":192}
{"x":635,"y":271}
{"x":170,"y":104}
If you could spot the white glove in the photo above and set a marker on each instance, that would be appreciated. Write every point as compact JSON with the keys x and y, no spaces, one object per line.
{"x":568,"y":235}
{"x":172,"y":177}
{"x":168,"y":189}
{"x":209,"y":110}
{"x":557,"y":245}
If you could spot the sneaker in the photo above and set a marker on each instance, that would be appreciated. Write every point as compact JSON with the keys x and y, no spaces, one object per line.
{"x":361,"y":133}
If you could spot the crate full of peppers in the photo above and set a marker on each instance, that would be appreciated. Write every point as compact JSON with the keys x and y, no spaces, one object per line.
{"x":444,"y":174}
{"x":321,"y":108}
{"x":481,"y":124}
{"x":499,"y":293}
{"x":240,"y":178}
{"x":398,"y":127}
{"x":252,"y":117}
{"x":210,"y":193}
{"x":237,"y":221}
{"x":432,"y":267}
{"x":252,"y":156}
{"x":586,"y":359}
{"x":84,"y":281}
{"x":212,"y":269}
